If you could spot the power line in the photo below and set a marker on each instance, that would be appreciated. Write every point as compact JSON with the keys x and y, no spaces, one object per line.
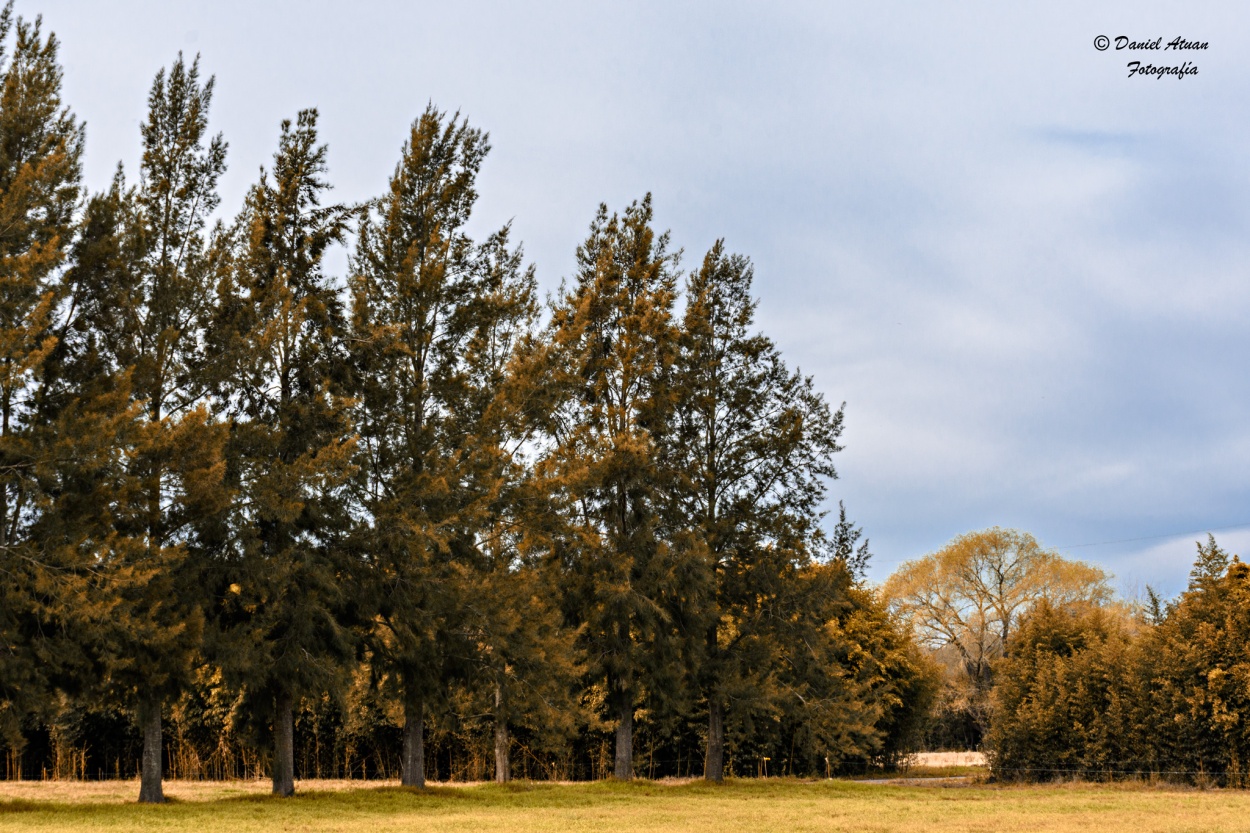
{"x":1154,"y":537}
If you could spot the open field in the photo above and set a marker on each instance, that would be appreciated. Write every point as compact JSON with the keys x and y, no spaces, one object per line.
{"x":771,"y":805}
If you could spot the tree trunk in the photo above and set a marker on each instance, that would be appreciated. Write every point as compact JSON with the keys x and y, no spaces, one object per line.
{"x":4,"y":487}
{"x":625,"y":742}
{"x":150,"y":791}
{"x":714,"y":768}
{"x":503,"y":770}
{"x":412,"y":773}
{"x":284,"y":747}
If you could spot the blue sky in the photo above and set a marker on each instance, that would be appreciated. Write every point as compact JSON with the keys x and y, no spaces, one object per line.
{"x":1024,"y":272}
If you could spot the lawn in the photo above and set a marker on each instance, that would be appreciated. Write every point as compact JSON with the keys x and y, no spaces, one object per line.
{"x":780,"y":805}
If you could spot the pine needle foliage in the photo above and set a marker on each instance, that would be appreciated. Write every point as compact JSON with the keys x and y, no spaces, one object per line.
{"x":143,"y":286}
{"x":1101,"y":693}
{"x":612,"y":342}
{"x":41,"y":146}
{"x":753,"y":446}
{"x":286,"y":602}
{"x":435,"y":319}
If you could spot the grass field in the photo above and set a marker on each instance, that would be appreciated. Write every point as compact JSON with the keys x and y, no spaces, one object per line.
{"x":771,"y":805}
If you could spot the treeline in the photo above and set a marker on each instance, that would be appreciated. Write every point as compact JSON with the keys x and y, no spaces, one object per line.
{"x":1053,"y":677}
{"x":965,"y":604}
{"x":255,"y":517}
{"x":1088,"y":692}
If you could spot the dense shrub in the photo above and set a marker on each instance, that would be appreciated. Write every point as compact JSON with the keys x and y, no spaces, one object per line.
{"x":1097,"y":693}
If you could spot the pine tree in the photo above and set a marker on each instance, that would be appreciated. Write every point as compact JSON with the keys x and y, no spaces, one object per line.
{"x":524,"y":658}
{"x":146,"y":298}
{"x":527,"y":662}
{"x":82,"y":502}
{"x":1210,"y":565}
{"x":285,"y":612}
{"x":434,"y":322}
{"x":40,"y":171}
{"x":611,"y":345}
{"x":754,"y":448}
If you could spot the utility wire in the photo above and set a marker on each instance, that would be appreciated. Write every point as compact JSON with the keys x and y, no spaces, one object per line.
{"x":1137,"y":771}
{"x":1154,"y":537}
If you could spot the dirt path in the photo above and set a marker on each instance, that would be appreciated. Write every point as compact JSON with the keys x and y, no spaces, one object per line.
{"x":945,"y":781}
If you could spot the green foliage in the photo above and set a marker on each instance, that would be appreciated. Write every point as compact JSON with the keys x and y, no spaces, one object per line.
{"x":895,"y":675}
{"x":413,"y":317}
{"x":1063,"y":702}
{"x":320,"y":515}
{"x":144,"y":286}
{"x":139,"y":298}
{"x":436,"y":320}
{"x":1210,"y":565}
{"x":1199,"y":670}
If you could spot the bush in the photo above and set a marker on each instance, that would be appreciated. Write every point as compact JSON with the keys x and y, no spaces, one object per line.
{"x":1095,"y":693}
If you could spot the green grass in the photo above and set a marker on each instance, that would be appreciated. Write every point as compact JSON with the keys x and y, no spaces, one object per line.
{"x":780,"y":805}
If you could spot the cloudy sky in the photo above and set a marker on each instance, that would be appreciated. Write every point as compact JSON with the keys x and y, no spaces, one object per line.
{"x":1023,"y":271}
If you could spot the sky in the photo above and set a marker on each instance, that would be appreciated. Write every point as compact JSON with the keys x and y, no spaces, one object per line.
{"x":1023,"y":271}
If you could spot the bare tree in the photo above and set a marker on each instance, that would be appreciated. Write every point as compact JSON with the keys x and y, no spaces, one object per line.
{"x":964,"y":600}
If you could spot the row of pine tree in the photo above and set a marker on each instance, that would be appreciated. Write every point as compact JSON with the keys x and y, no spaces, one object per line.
{"x":223,"y":468}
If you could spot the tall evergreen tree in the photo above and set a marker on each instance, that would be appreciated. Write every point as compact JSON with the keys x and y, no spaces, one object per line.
{"x":611,"y":346}
{"x":1210,"y":565}
{"x":754,"y":448}
{"x":525,"y":659}
{"x":527,"y":663}
{"x":287,"y":598}
{"x":434,"y":321}
{"x":40,"y":172}
{"x":146,"y":297}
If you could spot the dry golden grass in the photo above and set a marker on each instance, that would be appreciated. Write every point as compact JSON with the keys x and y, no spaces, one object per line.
{"x":780,"y":805}
{"x":945,"y":759}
